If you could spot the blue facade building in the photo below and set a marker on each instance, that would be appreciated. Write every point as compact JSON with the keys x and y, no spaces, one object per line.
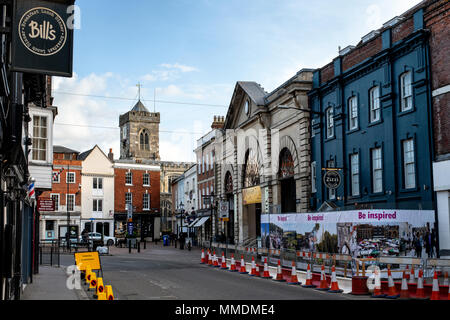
{"x":372,"y":120}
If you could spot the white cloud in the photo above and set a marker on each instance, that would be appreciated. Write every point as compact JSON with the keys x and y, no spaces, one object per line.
{"x":169,"y":72}
{"x":182,"y":68}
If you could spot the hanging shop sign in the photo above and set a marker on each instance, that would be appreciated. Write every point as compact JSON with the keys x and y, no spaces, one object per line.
{"x":251,"y":195}
{"x":42,"y":37}
{"x":332,"y":179}
{"x":45,"y":205}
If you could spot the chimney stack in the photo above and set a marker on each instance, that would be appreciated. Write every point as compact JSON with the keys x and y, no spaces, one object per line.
{"x":111,"y":155}
{"x":219,"y":122}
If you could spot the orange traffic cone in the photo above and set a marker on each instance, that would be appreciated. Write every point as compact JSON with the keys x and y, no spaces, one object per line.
{"x":445,"y":283}
{"x":216,"y":262}
{"x":407,"y":271}
{"x":294,"y":278}
{"x":233,"y":264}
{"x":323,"y":280}
{"x":224,"y":262}
{"x":334,"y":284}
{"x":308,"y":283}
{"x":448,"y":297}
{"x":279,"y":276}
{"x":412,"y":276}
{"x":203,"y":257}
{"x":404,"y":292}
{"x":392,"y":294}
{"x":254,"y":273}
{"x":435,"y":294}
{"x":420,"y":292}
{"x":266,"y":274}
{"x":210,"y":262}
{"x":243,"y":269}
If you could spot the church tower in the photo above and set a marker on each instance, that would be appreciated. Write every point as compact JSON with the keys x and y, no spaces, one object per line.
{"x":139,"y":134}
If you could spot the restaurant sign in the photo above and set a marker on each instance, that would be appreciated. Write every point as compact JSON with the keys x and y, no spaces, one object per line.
{"x":42,"y":37}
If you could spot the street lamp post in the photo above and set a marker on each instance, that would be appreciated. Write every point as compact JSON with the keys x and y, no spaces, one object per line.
{"x":211,"y":218}
{"x":181,"y":231}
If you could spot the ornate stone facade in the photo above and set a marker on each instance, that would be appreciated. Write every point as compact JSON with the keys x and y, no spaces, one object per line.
{"x":266,"y":142}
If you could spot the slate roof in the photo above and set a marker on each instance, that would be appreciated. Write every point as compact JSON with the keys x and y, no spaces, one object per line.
{"x":61,"y":149}
{"x":254,"y":91}
{"x":139,"y":107}
{"x":84,"y":155}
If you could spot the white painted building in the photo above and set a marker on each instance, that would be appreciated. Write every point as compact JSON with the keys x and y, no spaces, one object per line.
{"x":41,"y":155}
{"x":190,"y":189}
{"x":97,"y":192}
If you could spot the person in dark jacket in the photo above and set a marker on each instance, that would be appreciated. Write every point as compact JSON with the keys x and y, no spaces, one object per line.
{"x":418,"y":246}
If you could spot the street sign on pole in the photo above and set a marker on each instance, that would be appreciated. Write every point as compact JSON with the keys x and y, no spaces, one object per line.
{"x":224,"y":212}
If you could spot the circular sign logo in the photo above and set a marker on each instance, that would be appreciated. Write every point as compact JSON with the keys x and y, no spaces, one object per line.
{"x":42,"y":31}
{"x":332,"y":179}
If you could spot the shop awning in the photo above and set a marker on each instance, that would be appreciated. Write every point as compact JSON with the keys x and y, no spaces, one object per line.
{"x":200,"y":222}
{"x":193,"y":222}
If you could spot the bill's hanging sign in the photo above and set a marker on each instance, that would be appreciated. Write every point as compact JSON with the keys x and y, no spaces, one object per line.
{"x":42,"y":37}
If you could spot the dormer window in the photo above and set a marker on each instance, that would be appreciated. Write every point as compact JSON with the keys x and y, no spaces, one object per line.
{"x":247,"y":107}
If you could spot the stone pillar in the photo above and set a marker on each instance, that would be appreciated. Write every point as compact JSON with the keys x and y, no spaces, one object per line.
{"x":303,"y":181}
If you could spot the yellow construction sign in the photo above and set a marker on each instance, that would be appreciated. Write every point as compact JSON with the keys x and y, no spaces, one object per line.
{"x":85,"y":259}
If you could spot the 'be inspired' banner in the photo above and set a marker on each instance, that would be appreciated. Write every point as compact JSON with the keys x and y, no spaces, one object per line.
{"x":359,"y":232}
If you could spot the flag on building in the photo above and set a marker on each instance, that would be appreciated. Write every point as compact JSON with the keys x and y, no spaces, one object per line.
{"x":56,"y":175}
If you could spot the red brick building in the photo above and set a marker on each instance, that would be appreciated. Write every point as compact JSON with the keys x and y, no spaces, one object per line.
{"x":66,"y":193}
{"x":137,"y":183}
{"x":437,"y":21}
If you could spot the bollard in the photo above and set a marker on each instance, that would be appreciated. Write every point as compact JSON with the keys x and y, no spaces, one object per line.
{"x":100,"y":289}
{"x":88,"y":274}
{"x":109,"y":293}
{"x":129,"y":246}
{"x":93,"y":283}
{"x":139,"y":247}
{"x":145,"y":244}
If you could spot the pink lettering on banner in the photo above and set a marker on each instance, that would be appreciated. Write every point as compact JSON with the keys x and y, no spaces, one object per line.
{"x":282,"y":219}
{"x":377,"y":216}
{"x":309,"y":217}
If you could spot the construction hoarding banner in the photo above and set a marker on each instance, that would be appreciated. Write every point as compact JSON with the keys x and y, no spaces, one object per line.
{"x":360,"y":233}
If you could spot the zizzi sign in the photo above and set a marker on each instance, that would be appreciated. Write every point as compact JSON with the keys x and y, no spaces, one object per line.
{"x":332,"y":179}
{"x":42,"y":39}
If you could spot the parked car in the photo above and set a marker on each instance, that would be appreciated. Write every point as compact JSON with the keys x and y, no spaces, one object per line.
{"x":95,"y":236}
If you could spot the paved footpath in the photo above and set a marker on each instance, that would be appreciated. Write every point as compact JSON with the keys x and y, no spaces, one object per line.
{"x":50,"y":284}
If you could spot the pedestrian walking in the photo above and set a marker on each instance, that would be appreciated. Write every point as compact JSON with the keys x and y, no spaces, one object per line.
{"x":418,"y":246}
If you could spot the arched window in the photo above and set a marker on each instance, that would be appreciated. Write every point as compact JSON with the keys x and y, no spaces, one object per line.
{"x":228,"y":183}
{"x":286,"y":164}
{"x":144,"y":140}
{"x":251,"y":170}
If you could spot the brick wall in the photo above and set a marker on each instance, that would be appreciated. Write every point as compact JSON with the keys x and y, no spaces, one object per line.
{"x":137,"y":189}
{"x":61,"y":187}
{"x":402,"y":30}
{"x":361,"y":53}
{"x":327,"y":73}
{"x":437,"y":21}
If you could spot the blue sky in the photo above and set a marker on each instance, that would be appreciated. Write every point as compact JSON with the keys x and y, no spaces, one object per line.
{"x":195,"y":51}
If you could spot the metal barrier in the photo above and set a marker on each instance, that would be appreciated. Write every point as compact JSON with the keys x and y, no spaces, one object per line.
{"x":345,"y":265}
{"x":49,"y":253}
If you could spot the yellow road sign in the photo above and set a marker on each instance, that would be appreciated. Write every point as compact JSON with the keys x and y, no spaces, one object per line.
{"x":85,"y":259}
